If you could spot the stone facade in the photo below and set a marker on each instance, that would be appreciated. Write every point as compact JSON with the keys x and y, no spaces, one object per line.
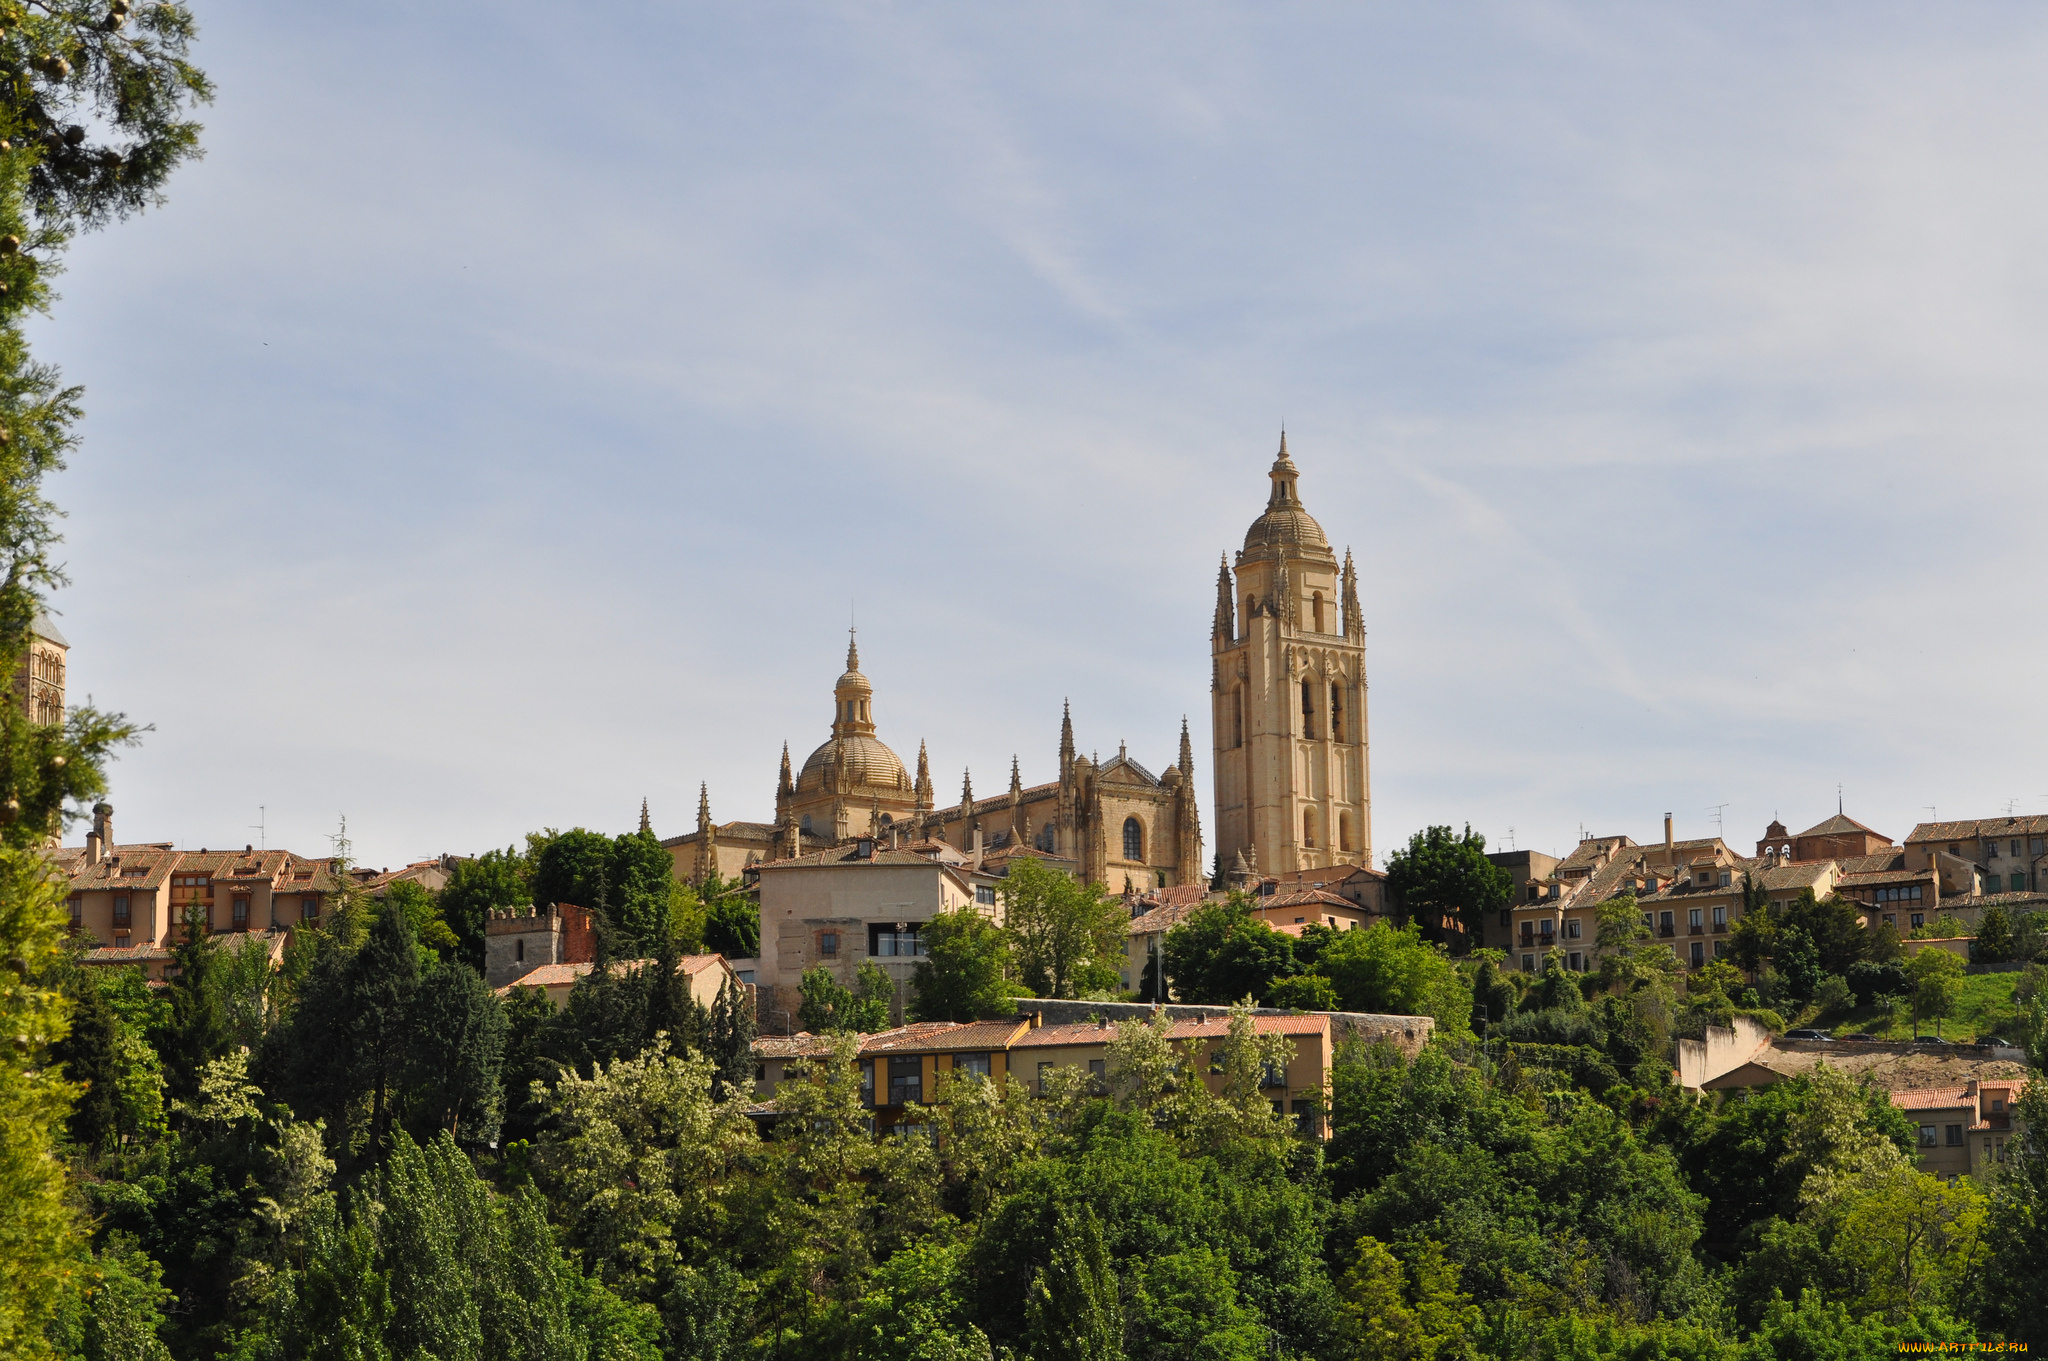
{"x":39,"y":677}
{"x":517,"y":943}
{"x":1293,"y":780}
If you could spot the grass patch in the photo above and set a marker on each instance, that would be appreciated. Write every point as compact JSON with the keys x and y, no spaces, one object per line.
{"x":1984,"y":1007}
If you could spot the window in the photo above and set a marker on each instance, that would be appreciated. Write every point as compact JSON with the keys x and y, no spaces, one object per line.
{"x":1308,"y":828}
{"x":1237,"y":718}
{"x":1215,"y":1060}
{"x":77,"y":905}
{"x":1528,"y":964}
{"x":1991,"y":850}
{"x":1998,"y":1105}
{"x":828,"y":941}
{"x":1918,"y":919}
{"x":805,"y":825}
{"x":241,"y":911}
{"x":1699,"y":953}
{"x":867,"y":1082}
{"x":309,"y":910}
{"x":886,"y":941}
{"x":1891,"y":919}
{"x":906,"y":1080}
{"x":1721,"y":918}
{"x":1547,"y":928}
{"x":1694,"y":918}
{"x":1344,"y":831}
{"x":1927,"y":1136}
{"x":518,"y":952}
{"x":121,"y":910}
{"x":985,"y":895}
{"x":1724,"y":878}
{"x":2019,"y":882}
{"x":1308,"y":709}
{"x":1046,"y":836}
{"x":1646,"y":920}
{"x":1134,"y":839}
{"x":2034,"y":846}
{"x":971,"y":1063}
{"x":1572,"y":929}
{"x":1307,"y":1116}
{"x":1664,"y":924}
{"x":1577,"y":962}
{"x":1315,"y":609}
{"x":1720,"y":948}
{"x":2014,"y":848}
{"x":1337,"y":715}
{"x":1044,"y":1071}
{"x":1273,"y":1075}
{"x":1098,"y":1077}
{"x":1955,"y":1136}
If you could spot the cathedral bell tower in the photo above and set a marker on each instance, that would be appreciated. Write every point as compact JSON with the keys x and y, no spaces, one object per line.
{"x":1293,"y":783}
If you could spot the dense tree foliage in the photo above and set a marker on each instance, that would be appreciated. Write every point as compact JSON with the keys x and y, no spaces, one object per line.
{"x":1068,"y":935}
{"x":965,"y":974}
{"x":1440,"y":874}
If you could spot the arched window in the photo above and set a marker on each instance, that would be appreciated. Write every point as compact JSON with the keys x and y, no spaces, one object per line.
{"x":1134,"y":839}
{"x":1316,"y":608}
{"x":1308,"y":709}
{"x":1048,"y":838}
{"x":887,"y":821}
{"x":1344,"y":832}
{"x":806,"y":823}
{"x":1337,"y":714}
{"x":1308,"y":828}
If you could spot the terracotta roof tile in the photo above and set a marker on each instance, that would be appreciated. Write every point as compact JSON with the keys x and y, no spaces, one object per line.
{"x":1971,"y":829}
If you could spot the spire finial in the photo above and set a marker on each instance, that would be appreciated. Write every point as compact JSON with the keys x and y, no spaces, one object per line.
{"x":852,"y":650}
{"x":645,"y":826}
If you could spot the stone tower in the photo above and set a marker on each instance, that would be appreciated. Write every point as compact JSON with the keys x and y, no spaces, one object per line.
{"x":1293,"y":783}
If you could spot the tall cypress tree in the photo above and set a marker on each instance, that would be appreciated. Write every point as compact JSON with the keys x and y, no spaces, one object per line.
{"x":730,"y":1041}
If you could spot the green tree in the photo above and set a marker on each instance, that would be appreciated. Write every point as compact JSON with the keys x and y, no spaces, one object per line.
{"x":492,"y":882}
{"x":830,"y":1006}
{"x":1186,"y":1306}
{"x":629,"y":878}
{"x":197,"y":1028}
{"x":1223,"y":952}
{"x":424,"y":912}
{"x":732,"y":919}
{"x":1396,"y":971}
{"x":2015,"y":1276}
{"x":1069,"y":936}
{"x":457,"y":1055}
{"x":1440,"y":874}
{"x":1936,"y":978}
{"x":729,"y":1042}
{"x":1994,"y":937}
{"x":1072,"y":1311}
{"x":964,"y":975}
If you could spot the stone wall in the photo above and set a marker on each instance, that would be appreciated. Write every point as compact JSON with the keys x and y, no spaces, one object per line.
{"x":1407,"y":1033}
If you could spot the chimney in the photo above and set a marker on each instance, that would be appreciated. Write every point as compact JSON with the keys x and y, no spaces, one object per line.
{"x":93,"y":853}
{"x":100,"y":844}
{"x":977,"y":846}
{"x":1670,"y":854}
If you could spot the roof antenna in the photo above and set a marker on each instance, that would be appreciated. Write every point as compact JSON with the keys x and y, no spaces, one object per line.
{"x":1715,"y":809}
{"x":262,"y":837}
{"x":1838,"y":800}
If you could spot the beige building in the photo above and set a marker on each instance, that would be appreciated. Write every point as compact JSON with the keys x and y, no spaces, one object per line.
{"x":705,"y":976}
{"x":2009,"y":854}
{"x":851,"y":904}
{"x":39,"y":676}
{"x":1292,"y":775}
{"x":1118,"y":823}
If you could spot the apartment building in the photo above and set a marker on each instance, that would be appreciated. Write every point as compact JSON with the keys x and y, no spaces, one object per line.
{"x":2008,"y":854}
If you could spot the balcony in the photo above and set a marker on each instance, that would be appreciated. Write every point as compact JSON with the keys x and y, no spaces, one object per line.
{"x":1696,"y":930}
{"x":1720,"y":928}
{"x":1667,"y":930}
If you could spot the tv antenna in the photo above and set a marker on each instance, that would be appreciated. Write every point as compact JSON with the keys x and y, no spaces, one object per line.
{"x":262,"y":836}
{"x":1932,"y":815}
{"x":1511,"y":838}
{"x":1715,"y":809}
{"x":2012,"y":806}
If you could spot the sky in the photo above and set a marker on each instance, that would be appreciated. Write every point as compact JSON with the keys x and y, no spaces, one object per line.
{"x":506,"y":419}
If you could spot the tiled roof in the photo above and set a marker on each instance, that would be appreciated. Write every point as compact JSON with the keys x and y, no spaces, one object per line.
{"x":802,"y":1045}
{"x":1160,"y":919}
{"x":844,"y":855}
{"x":554,"y":975}
{"x":1328,"y":875}
{"x":1870,"y":864}
{"x":1215,"y":1027}
{"x":127,"y":954}
{"x":1875,"y":878}
{"x":1178,"y":895}
{"x":1972,"y":828}
{"x":1840,"y":824}
{"x":1931,"y":1098}
{"x":942,"y":1037}
{"x":1312,"y":898}
{"x":1995,"y":900}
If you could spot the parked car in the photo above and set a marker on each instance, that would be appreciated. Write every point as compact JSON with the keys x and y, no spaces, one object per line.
{"x":1929,"y":1039}
{"x":1993,"y":1042}
{"x":1808,"y":1035}
{"x":1860,"y":1035}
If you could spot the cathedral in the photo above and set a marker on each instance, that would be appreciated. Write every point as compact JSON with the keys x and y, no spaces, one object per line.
{"x":1291,"y":782}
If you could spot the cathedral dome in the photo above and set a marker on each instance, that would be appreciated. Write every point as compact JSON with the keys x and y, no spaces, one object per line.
{"x":1286,"y":523}
{"x":863,"y":762}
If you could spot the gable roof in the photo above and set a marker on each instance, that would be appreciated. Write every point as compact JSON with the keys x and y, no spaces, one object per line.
{"x":1970,"y":829}
{"x":1839,"y":824}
